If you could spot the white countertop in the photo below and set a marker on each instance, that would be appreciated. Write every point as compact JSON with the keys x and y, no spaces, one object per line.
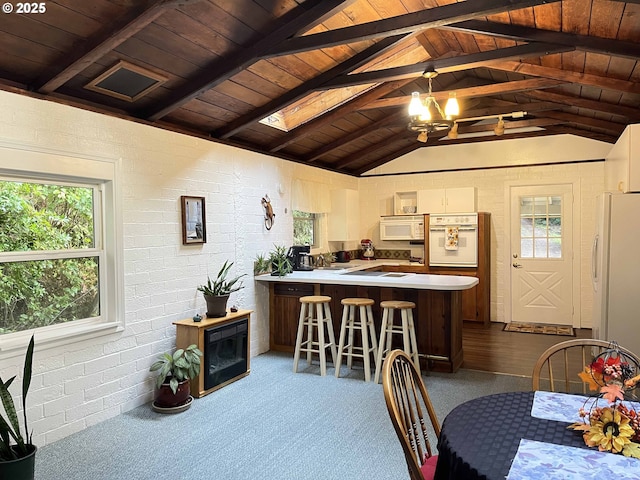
{"x":340,"y":274}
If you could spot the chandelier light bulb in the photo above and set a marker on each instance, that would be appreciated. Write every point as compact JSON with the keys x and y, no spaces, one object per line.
{"x":452,"y":109}
{"x":416,"y":106}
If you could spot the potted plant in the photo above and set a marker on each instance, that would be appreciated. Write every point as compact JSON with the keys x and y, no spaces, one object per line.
{"x":280,"y":263}
{"x":174,"y":373}
{"x":216,"y":293}
{"x":17,"y":453}
{"x":262,"y":264}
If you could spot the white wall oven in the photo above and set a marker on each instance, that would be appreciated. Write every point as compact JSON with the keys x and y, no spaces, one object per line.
{"x":453,"y":240}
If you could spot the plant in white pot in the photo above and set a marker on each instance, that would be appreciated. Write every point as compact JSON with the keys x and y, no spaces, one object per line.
{"x":216,"y":292}
{"x":17,"y":452}
{"x":175,"y":370}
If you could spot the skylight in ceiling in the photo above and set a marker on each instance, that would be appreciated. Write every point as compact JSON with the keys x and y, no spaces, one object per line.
{"x":312,"y":106}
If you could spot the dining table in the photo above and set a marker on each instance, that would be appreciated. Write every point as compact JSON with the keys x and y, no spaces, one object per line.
{"x":523,"y":436}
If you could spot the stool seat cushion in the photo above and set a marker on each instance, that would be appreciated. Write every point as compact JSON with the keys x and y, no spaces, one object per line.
{"x":400,"y":304}
{"x":315,"y":299}
{"x":358,"y":302}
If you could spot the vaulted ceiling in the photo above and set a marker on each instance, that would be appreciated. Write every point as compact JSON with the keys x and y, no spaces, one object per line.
{"x":327,"y":83}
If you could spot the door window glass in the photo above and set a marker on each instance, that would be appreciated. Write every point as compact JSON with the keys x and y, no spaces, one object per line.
{"x":541,"y":227}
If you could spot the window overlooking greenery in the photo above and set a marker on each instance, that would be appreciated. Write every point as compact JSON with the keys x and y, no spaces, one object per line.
{"x":49,"y":255}
{"x":304,"y":226}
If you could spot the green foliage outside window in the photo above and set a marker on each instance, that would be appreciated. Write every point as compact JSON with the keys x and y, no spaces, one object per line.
{"x":49,"y":280}
{"x":303,"y":228}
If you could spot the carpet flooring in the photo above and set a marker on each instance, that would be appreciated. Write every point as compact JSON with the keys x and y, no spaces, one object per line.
{"x":525,"y":327}
{"x":272,"y":424}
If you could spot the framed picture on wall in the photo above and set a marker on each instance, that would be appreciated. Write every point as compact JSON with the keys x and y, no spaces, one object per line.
{"x":194,"y":224}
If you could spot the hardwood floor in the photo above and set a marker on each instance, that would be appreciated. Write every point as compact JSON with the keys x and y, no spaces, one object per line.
{"x":494,"y":350}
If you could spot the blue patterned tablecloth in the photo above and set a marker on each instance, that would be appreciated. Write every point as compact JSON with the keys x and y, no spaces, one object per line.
{"x":481,"y":438}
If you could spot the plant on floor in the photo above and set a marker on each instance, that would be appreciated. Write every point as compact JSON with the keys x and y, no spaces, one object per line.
{"x":183,"y":364}
{"x":22,"y":446}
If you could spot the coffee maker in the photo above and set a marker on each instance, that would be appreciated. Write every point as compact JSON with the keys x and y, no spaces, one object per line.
{"x":300,"y":257}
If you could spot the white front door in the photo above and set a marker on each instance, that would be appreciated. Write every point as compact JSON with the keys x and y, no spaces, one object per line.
{"x":541,"y":254}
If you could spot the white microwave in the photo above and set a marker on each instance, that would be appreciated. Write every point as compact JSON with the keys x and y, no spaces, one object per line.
{"x":402,"y":227}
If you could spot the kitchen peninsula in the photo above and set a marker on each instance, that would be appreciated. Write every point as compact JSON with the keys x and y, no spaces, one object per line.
{"x":438,"y":299}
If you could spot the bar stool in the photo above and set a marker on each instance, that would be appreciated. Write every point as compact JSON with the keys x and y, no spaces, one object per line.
{"x":389,"y":328}
{"x":351,"y":323}
{"x":319,"y":321}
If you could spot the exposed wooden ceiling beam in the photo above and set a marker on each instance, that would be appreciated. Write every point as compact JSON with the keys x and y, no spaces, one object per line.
{"x":630,"y":113}
{"x":373,"y":148}
{"x":225,"y":67}
{"x":604,"y":46}
{"x":402,"y":24}
{"x":444,"y":65}
{"x":613,"y":128}
{"x":408,"y":147}
{"x":83,"y":56}
{"x":395,"y":119}
{"x":568,"y":76}
{"x":479,"y":91}
{"x":579,"y":132}
{"x":295,"y":94}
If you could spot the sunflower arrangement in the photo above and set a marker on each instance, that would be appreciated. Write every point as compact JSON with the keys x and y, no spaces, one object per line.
{"x":615,"y":427}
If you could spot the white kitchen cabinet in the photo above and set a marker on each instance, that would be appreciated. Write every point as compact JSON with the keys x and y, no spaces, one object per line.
{"x":343,"y":222}
{"x":447,"y":200}
{"x":622,"y":165}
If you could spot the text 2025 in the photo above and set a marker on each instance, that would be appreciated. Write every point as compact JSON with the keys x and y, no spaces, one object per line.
{"x":34,"y":7}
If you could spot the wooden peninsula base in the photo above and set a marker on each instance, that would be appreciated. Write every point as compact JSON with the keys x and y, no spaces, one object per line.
{"x":438,"y":317}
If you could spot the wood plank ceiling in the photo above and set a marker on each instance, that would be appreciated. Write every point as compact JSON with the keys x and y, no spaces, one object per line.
{"x":334,"y":76}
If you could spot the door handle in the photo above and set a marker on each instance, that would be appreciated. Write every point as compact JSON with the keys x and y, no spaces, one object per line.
{"x":516,"y":265}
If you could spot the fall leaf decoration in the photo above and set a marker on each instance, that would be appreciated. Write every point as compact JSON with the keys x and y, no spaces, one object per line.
{"x":616,"y":427}
{"x":611,"y":393}
{"x":587,"y":376}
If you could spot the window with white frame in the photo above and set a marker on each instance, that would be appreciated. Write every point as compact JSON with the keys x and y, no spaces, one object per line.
{"x":309,"y":203}
{"x":59,"y":255}
{"x":304,"y":228}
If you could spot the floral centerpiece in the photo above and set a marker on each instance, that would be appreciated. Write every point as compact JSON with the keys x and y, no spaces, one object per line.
{"x":614,"y":427}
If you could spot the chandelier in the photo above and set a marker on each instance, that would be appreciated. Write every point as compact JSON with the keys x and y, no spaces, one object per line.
{"x":427,"y":116}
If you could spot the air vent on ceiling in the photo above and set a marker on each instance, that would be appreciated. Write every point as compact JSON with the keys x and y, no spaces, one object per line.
{"x":126,"y":81}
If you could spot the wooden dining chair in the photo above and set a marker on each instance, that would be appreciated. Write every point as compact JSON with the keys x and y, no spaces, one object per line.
{"x":410,"y":410}
{"x":558,"y":367}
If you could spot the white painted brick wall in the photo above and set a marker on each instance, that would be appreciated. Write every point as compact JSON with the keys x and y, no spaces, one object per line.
{"x":85,"y":383}
{"x":88,"y":382}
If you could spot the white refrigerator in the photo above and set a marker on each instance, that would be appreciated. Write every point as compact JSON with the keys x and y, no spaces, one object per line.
{"x":615,"y":270}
